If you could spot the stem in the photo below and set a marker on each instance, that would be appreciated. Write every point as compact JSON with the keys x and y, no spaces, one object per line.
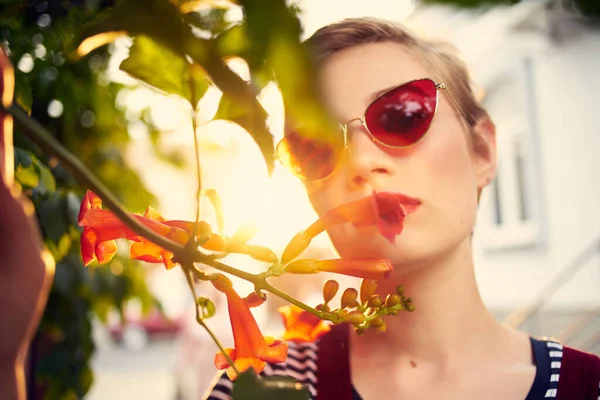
{"x":236,"y":272}
{"x":290,"y":299}
{"x":261,"y":284}
{"x":386,"y":311}
{"x":194,"y":101}
{"x":188,"y":272}
{"x":50,"y":145}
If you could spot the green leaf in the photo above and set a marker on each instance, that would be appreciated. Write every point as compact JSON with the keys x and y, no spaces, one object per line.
{"x":158,"y":66}
{"x":47,"y":181}
{"x":23,"y":95}
{"x":252,"y":117}
{"x":234,"y":42}
{"x":52,"y":214}
{"x":278,"y":43}
{"x":206,"y":306}
{"x":23,"y":157}
{"x":61,"y":248}
{"x":159,"y":19}
{"x":212,"y":20}
{"x":248,"y":386}
{"x":102,"y":306}
{"x":27,"y":176}
{"x":86,"y":378}
{"x":31,"y":173}
{"x":239,"y":98}
{"x":73,"y":205}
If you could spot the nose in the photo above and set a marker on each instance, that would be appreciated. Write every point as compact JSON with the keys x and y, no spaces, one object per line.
{"x":367,"y":162}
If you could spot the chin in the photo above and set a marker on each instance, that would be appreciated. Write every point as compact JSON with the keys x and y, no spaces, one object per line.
{"x":410,"y":251}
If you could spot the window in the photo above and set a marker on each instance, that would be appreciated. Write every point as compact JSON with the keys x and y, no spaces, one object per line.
{"x":509,"y":212}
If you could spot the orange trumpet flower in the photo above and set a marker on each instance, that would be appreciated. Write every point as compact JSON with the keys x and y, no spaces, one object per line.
{"x":386,"y":210}
{"x":101,"y":228}
{"x":252,"y":350}
{"x":302,"y":326}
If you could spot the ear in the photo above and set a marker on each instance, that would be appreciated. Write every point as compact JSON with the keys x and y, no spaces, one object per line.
{"x":484,"y":152}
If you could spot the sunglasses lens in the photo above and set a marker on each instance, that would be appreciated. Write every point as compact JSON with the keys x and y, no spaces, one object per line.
{"x":310,"y":159}
{"x":401,"y":116}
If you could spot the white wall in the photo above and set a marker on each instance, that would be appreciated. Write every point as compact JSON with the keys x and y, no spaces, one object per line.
{"x":566,"y":89}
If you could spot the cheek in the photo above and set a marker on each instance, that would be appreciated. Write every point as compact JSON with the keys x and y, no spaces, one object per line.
{"x":448,"y":166}
{"x":323,"y":196}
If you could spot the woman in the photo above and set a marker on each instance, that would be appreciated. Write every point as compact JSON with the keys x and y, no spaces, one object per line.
{"x":412,"y":125}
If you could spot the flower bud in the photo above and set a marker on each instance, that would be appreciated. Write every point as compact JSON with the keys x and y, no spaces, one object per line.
{"x":214,"y":198}
{"x":375,"y":301}
{"x":410,"y":307}
{"x":392,"y":300}
{"x":221,"y":283}
{"x":303,"y":266}
{"x":330,"y":289}
{"x":216,"y":242}
{"x":260,"y":253}
{"x":400,"y":290}
{"x":241,"y":237}
{"x":367,"y":289}
{"x":349,"y":298}
{"x":322,"y":307}
{"x":354,"y":318}
{"x":297,"y":245}
{"x":360,"y":330}
{"x":377,"y":323}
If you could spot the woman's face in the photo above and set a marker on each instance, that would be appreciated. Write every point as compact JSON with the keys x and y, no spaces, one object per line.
{"x":441,"y":170}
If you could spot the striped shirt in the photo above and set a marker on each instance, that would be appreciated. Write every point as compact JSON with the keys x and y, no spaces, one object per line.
{"x":301,"y":365}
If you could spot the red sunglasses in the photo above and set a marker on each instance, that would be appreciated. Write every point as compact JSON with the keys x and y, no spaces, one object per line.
{"x":398,"y":118}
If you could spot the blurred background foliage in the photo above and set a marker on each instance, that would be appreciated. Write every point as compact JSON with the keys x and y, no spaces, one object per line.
{"x":587,"y":8}
{"x":180,"y":47}
{"x":70,"y":98}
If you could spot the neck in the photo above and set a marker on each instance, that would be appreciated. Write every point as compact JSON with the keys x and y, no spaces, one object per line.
{"x":449,"y":318}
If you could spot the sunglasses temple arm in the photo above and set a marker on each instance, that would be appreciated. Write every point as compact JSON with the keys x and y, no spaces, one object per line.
{"x":469,"y":120}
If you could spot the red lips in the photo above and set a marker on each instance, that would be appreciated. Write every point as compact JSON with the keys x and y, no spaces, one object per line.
{"x":385,"y":210}
{"x":388,"y":210}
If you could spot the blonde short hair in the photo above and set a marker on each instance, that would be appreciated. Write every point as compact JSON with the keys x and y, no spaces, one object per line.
{"x":440,"y":57}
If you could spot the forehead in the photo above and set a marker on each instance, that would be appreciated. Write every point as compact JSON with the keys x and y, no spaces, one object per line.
{"x":350,"y":79}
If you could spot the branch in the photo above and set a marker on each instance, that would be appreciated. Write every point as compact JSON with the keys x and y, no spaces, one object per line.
{"x":40,"y":136}
{"x":261,"y":283}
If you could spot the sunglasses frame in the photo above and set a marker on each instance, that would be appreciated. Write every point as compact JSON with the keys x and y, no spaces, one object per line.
{"x":363,"y":122}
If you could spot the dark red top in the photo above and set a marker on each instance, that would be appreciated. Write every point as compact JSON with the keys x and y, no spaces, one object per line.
{"x":562,"y":373}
